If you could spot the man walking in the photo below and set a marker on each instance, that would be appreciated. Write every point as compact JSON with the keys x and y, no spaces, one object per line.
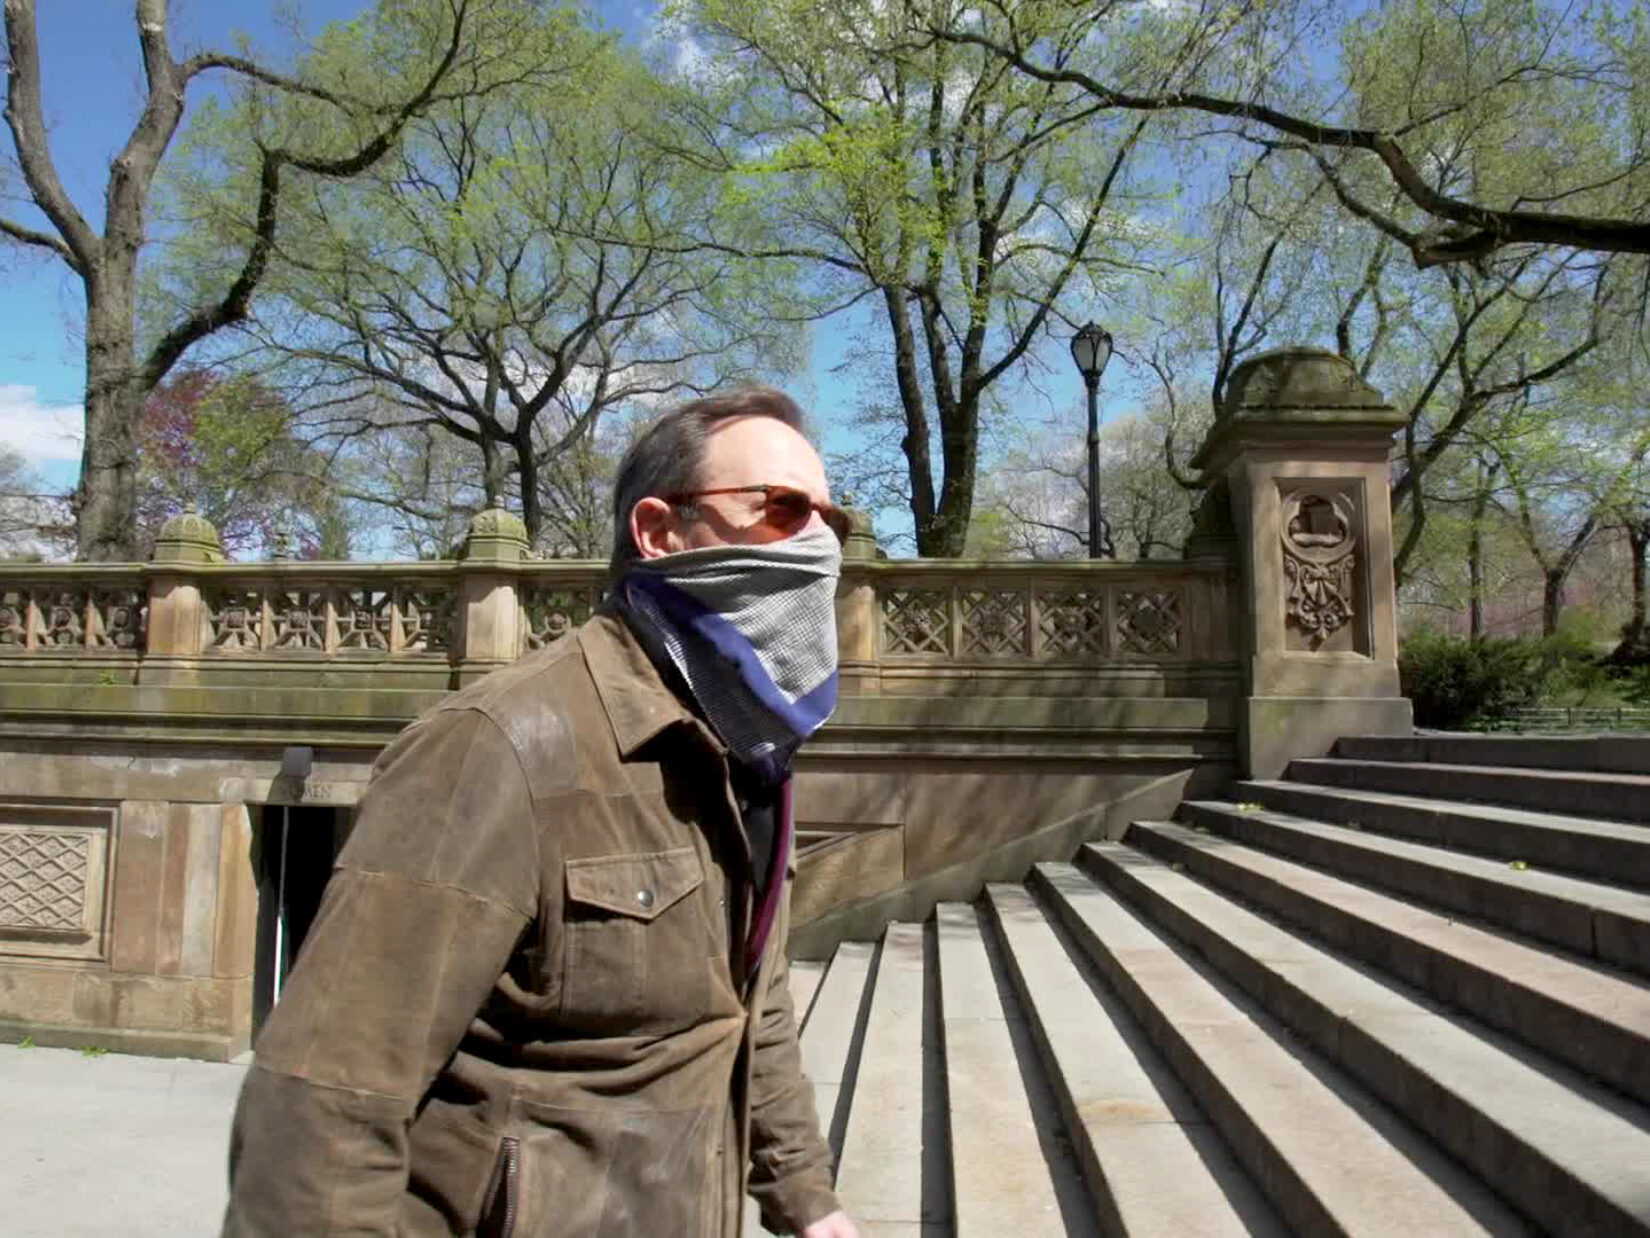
{"x":546,"y":992}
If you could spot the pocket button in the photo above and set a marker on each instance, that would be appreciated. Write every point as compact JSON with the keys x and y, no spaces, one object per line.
{"x":644,"y":898}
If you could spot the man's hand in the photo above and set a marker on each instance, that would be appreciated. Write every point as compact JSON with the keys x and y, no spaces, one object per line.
{"x":837,"y":1225}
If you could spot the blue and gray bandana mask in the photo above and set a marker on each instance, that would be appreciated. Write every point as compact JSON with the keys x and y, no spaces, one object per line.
{"x":752,"y":631}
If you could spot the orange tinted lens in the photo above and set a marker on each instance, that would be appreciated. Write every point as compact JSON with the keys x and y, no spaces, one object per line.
{"x":787,"y":510}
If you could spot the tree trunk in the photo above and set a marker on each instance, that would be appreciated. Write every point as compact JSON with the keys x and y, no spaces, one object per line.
{"x":1638,"y":537}
{"x":914,"y":443}
{"x":1635,"y":640}
{"x":947,"y":534}
{"x":1475,"y":556}
{"x":106,"y":498}
{"x":494,"y":471}
{"x":1475,"y":583}
{"x":1552,"y":598}
{"x":532,"y":502}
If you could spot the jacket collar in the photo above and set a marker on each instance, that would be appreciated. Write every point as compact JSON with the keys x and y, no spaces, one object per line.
{"x":639,"y":703}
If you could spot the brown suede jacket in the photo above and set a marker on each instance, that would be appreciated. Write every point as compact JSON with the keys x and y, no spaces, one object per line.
{"x":520,"y":1010}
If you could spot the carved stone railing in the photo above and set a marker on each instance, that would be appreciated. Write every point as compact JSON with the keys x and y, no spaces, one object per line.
{"x":1036,"y":628}
{"x":495,"y":605}
{"x":1047,"y":612}
{"x":310,"y":609}
{"x":73,"y":608}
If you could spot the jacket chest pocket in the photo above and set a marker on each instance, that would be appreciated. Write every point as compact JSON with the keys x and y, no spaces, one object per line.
{"x":637,"y":949}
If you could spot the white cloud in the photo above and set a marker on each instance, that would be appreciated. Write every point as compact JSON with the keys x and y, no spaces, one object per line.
{"x":40,"y":432}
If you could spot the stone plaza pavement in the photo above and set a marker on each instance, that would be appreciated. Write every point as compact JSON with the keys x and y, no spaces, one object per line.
{"x":112,"y":1145}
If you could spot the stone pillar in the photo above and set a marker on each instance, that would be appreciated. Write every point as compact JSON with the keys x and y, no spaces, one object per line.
{"x":1302,"y":449}
{"x":488,"y":597}
{"x":856,"y":612}
{"x":177,"y":617}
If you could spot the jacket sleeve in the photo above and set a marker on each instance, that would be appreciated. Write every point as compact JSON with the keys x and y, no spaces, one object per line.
{"x":428,"y":900}
{"x":791,"y":1172}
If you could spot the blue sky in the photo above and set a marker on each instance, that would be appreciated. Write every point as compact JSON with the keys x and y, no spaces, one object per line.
{"x":93,"y":89}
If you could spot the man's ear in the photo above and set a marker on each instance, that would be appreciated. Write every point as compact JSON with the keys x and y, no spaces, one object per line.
{"x":653,"y":528}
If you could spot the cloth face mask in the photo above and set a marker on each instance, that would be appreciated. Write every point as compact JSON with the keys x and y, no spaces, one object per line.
{"x":752,"y":631}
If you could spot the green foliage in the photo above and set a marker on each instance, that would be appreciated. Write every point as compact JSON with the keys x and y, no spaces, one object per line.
{"x":1634,"y":686}
{"x":1455,"y":683}
{"x":1574,"y":672}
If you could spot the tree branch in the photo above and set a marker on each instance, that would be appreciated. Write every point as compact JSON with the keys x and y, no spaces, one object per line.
{"x":1485,"y":229}
{"x":29,"y":236}
{"x":234,"y":305}
{"x":28,"y":131}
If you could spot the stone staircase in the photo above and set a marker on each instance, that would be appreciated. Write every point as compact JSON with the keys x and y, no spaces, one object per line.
{"x":1403,"y":991}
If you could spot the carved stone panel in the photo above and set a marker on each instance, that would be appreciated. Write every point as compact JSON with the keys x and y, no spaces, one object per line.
{"x":64,"y":613}
{"x":300,"y":619}
{"x":1071,"y":623}
{"x":366,"y":617}
{"x":54,"y":865}
{"x":993,"y":623}
{"x":1319,"y":530}
{"x":235,"y":619}
{"x":15,"y":606}
{"x":916,"y":621}
{"x":119,"y":618}
{"x":428,"y":618}
{"x":1148,"y":623}
{"x":550,"y":613}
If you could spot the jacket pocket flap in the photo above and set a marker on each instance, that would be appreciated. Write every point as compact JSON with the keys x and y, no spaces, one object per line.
{"x":639,"y":886}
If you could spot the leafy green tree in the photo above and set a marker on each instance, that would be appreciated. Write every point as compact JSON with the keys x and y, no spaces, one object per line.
{"x":978,"y":213}
{"x":512,"y":274}
{"x":1565,"y":478}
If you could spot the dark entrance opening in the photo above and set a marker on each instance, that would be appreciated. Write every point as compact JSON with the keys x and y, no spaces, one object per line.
{"x":293,"y":847}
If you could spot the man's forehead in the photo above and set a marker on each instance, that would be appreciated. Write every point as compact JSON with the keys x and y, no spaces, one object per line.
{"x":761,"y":445}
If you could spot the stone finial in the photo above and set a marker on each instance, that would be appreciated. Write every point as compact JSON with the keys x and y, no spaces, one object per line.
{"x":1298,"y":378}
{"x":496,"y":536}
{"x":1295,"y":396}
{"x":862,"y":538}
{"x":188,"y":537}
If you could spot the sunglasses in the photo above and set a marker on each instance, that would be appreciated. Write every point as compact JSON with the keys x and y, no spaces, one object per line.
{"x":784,"y":508}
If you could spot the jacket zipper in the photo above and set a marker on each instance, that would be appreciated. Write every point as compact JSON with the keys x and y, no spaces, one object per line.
{"x":505,"y":1186}
{"x":512,"y":1169}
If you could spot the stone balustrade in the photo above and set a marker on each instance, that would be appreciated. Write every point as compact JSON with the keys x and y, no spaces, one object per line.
{"x":910,"y":613}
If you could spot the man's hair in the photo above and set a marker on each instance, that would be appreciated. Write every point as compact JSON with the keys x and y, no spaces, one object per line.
{"x":668,"y":456}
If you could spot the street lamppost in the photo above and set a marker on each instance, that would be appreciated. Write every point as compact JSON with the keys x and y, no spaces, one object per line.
{"x":1091,"y":349}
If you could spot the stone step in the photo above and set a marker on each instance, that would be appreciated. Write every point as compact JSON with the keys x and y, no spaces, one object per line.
{"x":1620,"y":754}
{"x":835,"y":1032}
{"x":1604,"y":922}
{"x":1610,"y":796}
{"x":1330,"y":1158}
{"x":892,"y":1159}
{"x":1608,"y":850}
{"x":1153,"y":1164}
{"x":1008,"y":1174}
{"x":805,"y":978}
{"x":1596,"y":1020}
{"x":1570,"y":1155}
{"x":829,"y":1000}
